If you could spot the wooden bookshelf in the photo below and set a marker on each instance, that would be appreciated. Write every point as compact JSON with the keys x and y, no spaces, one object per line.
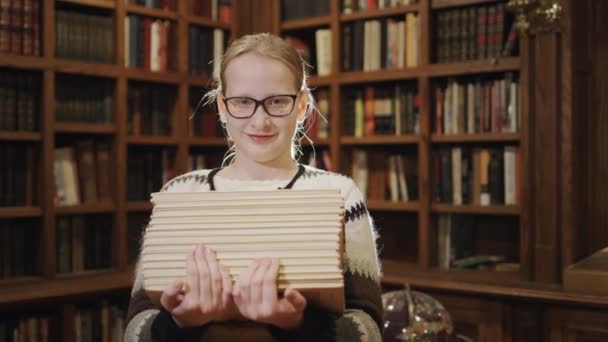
{"x":379,"y":13}
{"x":20,"y":212}
{"x":151,"y":12}
{"x":412,"y":206}
{"x":308,"y":23}
{"x":526,"y":220}
{"x":380,"y":140}
{"x":47,"y":286}
{"x":105,"y":4}
{"x":19,"y":136}
{"x":438,"y":4}
{"x":86,"y":208}
{"x":475,"y":138}
{"x":476,"y":209}
{"x":85,"y":128}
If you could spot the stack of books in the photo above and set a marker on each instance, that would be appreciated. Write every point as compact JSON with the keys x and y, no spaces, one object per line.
{"x":304,"y":229}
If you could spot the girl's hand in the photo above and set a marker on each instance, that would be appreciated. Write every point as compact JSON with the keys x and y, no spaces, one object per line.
{"x":255,"y":295}
{"x":208,"y":292}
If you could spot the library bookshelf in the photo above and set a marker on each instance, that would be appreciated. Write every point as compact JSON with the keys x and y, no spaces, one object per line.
{"x":57,"y":74}
{"x":410,"y":243}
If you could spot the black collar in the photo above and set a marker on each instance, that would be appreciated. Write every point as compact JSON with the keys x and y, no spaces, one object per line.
{"x":288,"y":186}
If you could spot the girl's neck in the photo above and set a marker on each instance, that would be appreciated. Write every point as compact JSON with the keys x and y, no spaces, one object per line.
{"x":251,"y":170}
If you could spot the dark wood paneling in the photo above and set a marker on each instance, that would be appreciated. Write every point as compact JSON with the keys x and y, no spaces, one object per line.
{"x":597,"y":132}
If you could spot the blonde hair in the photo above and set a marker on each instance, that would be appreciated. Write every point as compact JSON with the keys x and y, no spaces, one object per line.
{"x":273,"y":47}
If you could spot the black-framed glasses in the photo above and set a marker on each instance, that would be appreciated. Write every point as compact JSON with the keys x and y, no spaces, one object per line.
{"x":243,"y":107}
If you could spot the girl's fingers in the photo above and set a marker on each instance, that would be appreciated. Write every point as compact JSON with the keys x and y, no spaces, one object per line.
{"x":171,"y":296}
{"x":215,"y":275}
{"x":226,"y":285}
{"x":203,"y":276}
{"x":257,"y":282}
{"x":293,"y":301}
{"x":192,"y":278}
{"x":244,"y":281}
{"x":269,"y":290}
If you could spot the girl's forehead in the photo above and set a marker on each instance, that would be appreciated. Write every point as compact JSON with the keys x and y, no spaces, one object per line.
{"x":257,"y":74}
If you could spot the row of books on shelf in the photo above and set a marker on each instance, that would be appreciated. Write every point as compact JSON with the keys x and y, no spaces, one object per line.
{"x":206,"y":50}
{"x":383,"y":176}
{"x":19,"y":98}
{"x":478,"y":106}
{"x":20,"y":32}
{"x":83,"y":242}
{"x":19,"y":241}
{"x":320,"y":50}
{"x":476,"y":32}
{"x":381,"y":44}
{"x":82,"y":173}
{"x":294,"y":9}
{"x":84,"y":36}
{"x":91,"y":322}
{"x":457,"y":239}
{"x":214,"y":9}
{"x":147,"y":171}
{"x":351,"y":6}
{"x":480,"y":176}
{"x":77,"y":100}
{"x":149,"y":43}
{"x":149,"y":109}
{"x":19,"y":175}
{"x":381,"y":111}
{"x":159,"y":4}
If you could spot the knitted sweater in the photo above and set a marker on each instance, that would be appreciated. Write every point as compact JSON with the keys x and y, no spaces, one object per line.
{"x":362,"y":319}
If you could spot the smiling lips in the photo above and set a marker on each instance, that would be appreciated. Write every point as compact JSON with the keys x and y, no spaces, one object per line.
{"x":261,"y":138}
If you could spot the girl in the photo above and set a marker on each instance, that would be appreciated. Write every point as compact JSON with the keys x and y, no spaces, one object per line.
{"x":263,"y":101}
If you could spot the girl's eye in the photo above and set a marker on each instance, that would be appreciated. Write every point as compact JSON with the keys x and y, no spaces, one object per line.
{"x":245,"y":102}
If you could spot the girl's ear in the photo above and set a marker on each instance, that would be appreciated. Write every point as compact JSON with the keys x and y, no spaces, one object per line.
{"x":221,"y":108}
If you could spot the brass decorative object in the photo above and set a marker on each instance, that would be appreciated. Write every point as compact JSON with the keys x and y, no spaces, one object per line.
{"x":536,"y":15}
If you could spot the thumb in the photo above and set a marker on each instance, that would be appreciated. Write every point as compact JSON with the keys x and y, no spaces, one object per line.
{"x":293,"y":300}
{"x":171,"y":297}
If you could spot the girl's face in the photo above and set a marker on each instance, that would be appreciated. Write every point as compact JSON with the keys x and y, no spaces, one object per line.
{"x":261,"y":138}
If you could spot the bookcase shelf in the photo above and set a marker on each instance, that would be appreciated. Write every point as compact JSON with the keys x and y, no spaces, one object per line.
{"x":77,"y":284}
{"x":24,"y":62}
{"x":196,"y":141}
{"x":476,"y":209}
{"x":138,"y":74}
{"x":439,"y":4}
{"x":473,"y":67}
{"x":202,"y":21}
{"x":20,"y":212}
{"x":319,"y":81}
{"x":152,"y":140}
{"x":379,"y":13}
{"x":84,"y":128}
{"x":380,"y":140}
{"x":69,"y":66}
{"x":151,"y":12}
{"x":474,"y":138}
{"x":308,"y":23}
{"x":397,"y":273}
{"x":19,"y":136}
{"x":107,"y":4}
{"x":139,"y":206}
{"x":355,"y":77}
{"x":86,"y":208}
{"x":412,"y":206}
{"x":317,"y":142}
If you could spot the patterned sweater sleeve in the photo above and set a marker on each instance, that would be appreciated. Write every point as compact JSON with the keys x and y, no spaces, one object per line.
{"x":362,"y":319}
